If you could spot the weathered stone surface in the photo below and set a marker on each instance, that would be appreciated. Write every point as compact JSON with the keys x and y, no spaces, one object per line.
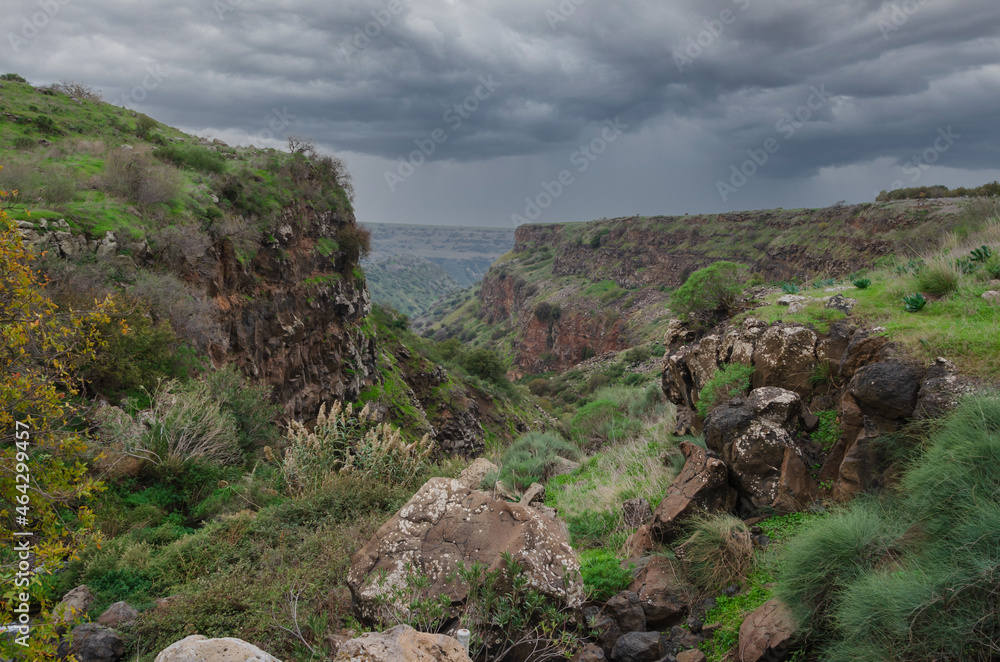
{"x":626,"y":609}
{"x":751,"y":436}
{"x":74,"y":604}
{"x":91,"y":642}
{"x":859,"y":468}
{"x":767,"y":633}
{"x":992,"y":296}
{"x":704,"y":360}
{"x":534,"y":494}
{"x":692,"y":655}
{"x":636,"y":512}
{"x":796,"y":487}
{"x":472,"y":476}
{"x":789,"y":299}
{"x":702,"y":486}
{"x":197,"y":648}
{"x":590,"y":653}
{"x":605,"y":629}
{"x":864,"y":347}
{"x":841,"y":303}
{"x":445,"y":523}
{"x":785,"y":356}
{"x":639,"y":543}
{"x":887,"y":389}
{"x":560,"y":466}
{"x":638,"y":647}
{"x":940,"y":391}
{"x":662,"y":592}
{"x":117,"y":615}
{"x":402,"y":644}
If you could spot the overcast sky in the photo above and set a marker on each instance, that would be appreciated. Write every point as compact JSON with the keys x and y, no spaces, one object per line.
{"x":493,"y":112}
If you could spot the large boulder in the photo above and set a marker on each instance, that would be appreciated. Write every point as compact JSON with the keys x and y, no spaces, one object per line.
{"x":887,"y":389}
{"x":626,"y":609}
{"x":767,"y":633}
{"x":638,"y":647}
{"x":702,"y":486}
{"x":402,"y":644}
{"x":785,"y":356}
{"x":197,"y":648}
{"x":473,"y":475}
{"x":91,"y":642}
{"x":118,"y":614}
{"x":940,"y":391}
{"x":663,"y":594}
{"x":751,"y":435}
{"x":446,"y":523}
{"x":74,"y":604}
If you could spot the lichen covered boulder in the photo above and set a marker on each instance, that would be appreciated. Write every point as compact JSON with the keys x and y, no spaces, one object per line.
{"x":402,"y":644}
{"x":446,"y":523}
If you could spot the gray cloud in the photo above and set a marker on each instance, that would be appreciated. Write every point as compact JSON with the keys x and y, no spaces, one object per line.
{"x":896,"y":73}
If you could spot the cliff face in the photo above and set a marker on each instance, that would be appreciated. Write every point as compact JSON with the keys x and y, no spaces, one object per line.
{"x":605,"y":283}
{"x":290,"y":317}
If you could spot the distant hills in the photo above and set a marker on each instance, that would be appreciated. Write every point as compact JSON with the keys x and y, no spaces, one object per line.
{"x":413,"y":266}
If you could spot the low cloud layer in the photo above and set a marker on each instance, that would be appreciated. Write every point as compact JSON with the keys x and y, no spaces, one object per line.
{"x":468,"y":111}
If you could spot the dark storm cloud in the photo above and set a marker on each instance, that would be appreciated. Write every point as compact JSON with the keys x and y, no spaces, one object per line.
{"x":711,"y":78}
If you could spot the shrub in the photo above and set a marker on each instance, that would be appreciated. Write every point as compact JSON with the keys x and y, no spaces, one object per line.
{"x":528,"y":458}
{"x":602,"y":574}
{"x":485,"y":364}
{"x":13,"y":77}
{"x":356,"y":241}
{"x":251,"y":407}
{"x":730,"y":381}
{"x":861,"y":283}
{"x":192,"y":156}
{"x":709,"y":290}
{"x":539,"y":387}
{"x":717,"y":553}
{"x":939,"y":278}
{"x":637,"y":355}
{"x":547,"y":312}
{"x":133,"y":175}
{"x":23,"y":143}
{"x":343,"y":442}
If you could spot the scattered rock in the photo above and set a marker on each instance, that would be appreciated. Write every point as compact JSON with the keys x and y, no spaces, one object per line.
{"x":841,"y":303}
{"x":534,"y":494}
{"x":767,"y":633}
{"x":992,"y":296}
{"x":75,"y":603}
{"x":560,"y":467}
{"x":117,"y":615}
{"x":638,"y":647}
{"x":693,"y":655}
{"x":639,"y":543}
{"x":197,"y":648}
{"x":702,"y":486}
{"x":446,"y":522}
{"x":789,"y":299}
{"x":663,"y":594}
{"x":940,"y":391}
{"x":402,"y":644}
{"x":91,"y":642}
{"x":636,"y":512}
{"x":626,"y":609}
{"x":590,"y":653}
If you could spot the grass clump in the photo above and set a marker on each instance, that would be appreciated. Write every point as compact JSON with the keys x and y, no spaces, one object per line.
{"x":917,"y":572}
{"x":828,"y":431}
{"x":603,"y":576}
{"x":718,"y":552}
{"x":730,"y":381}
{"x":939,"y":278}
{"x":528,"y":458}
{"x":192,"y":156}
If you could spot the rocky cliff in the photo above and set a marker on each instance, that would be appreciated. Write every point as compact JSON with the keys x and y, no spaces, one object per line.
{"x":567,"y":292}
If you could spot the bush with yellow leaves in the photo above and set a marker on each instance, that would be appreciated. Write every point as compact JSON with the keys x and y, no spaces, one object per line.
{"x":343,"y":441}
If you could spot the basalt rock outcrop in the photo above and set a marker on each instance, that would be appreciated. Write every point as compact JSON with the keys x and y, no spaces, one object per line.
{"x":702,"y":487}
{"x":764,"y":439}
{"x":446,"y":522}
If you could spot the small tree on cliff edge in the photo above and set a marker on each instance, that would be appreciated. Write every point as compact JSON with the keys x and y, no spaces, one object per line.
{"x":710,"y":291}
